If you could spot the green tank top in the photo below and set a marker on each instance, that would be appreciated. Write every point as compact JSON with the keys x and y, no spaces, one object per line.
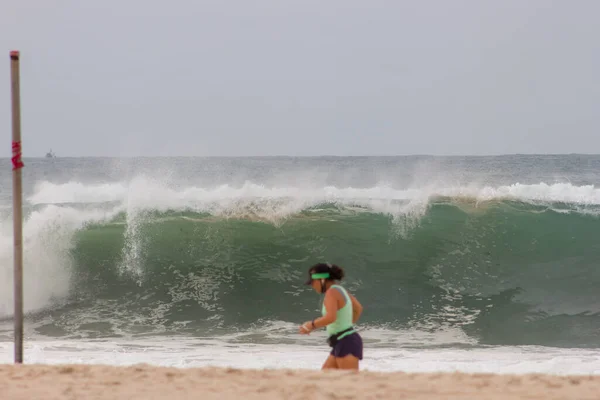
{"x":343,"y":319}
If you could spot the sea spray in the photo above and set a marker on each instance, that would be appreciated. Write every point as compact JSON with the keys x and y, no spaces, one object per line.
{"x":506,"y":265}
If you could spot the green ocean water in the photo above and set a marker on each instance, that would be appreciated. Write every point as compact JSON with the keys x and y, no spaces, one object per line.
{"x":507,"y":255}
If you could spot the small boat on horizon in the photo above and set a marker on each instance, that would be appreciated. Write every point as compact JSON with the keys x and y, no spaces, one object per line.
{"x":50,"y":154}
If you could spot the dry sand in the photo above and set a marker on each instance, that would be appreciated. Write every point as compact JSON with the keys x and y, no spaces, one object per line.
{"x":148,"y":382}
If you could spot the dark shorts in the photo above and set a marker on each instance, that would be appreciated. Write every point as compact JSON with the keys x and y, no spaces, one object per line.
{"x":351,"y":344}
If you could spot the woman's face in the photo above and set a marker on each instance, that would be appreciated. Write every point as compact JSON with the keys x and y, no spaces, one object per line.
{"x":316,"y":285}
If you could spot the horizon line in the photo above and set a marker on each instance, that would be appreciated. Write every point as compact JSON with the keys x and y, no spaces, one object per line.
{"x":314,"y":156}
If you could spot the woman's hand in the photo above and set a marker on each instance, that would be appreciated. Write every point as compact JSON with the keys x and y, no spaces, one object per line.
{"x":306,"y":328}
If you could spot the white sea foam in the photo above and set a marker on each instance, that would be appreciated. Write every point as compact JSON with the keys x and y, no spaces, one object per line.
{"x":59,"y":210}
{"x":210,"y":352}
{"x":144,"y":192}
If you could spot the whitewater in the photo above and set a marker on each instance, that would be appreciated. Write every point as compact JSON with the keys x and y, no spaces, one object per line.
{"x":479,"y":264}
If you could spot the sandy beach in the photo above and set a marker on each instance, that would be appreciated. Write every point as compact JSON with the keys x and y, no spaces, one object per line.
{"x":60,"y":382}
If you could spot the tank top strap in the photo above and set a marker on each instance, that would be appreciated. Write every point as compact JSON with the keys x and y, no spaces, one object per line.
{"x":343,"y":291}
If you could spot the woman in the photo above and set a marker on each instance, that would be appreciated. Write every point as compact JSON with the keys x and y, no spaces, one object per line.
{"x":340,"y":311}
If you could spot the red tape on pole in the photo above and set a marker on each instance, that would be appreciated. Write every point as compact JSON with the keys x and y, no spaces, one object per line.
{"x":16,"y":158}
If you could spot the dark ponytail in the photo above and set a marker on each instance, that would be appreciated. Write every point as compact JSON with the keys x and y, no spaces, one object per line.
{"x":337,"y":273}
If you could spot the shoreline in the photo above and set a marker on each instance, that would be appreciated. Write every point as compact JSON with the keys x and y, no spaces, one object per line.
{"x":145,"y":381}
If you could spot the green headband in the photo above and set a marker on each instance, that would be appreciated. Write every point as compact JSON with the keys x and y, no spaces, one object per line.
{"x":322,"y":275}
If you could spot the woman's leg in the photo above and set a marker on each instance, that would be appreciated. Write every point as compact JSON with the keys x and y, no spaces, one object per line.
{"x":330,"y":363}
{"x":347,"y":362}
{"x":349,"y":352}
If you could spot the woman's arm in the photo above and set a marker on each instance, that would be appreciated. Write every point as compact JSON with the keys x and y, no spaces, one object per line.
{"x":357,"y":309}
{"x":331,"y":307}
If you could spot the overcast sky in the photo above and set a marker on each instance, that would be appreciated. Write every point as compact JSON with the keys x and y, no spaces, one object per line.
{"x":276,"y":77}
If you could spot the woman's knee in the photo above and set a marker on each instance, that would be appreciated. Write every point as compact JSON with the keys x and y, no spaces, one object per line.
{"x":330,"y":363}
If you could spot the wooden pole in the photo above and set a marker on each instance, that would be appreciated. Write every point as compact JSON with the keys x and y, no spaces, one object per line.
{"x":17,"y":205}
